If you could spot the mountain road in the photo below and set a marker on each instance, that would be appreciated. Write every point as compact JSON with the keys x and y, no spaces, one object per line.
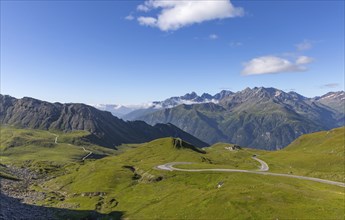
{"x":262,"y":171}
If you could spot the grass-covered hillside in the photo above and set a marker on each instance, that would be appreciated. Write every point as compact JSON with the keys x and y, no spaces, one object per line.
{"x":40,"y":149}
{"x":129,"y":183}
{"x":320,"y":154}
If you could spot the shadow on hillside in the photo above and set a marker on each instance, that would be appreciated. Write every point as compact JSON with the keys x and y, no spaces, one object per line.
{"x":96,"y":156}
{"x":12,"y":208}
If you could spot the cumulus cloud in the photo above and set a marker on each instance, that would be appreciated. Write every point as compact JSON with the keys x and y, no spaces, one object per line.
{"x":274,"y":64}
{"x":213,"y":37}
{"x":177,"y":14}
{"x":305,"y":45}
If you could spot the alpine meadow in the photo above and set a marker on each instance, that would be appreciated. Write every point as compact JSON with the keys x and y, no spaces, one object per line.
{"x":181,"y":109}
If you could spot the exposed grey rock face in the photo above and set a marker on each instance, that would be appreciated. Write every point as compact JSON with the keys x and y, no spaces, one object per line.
{"x":265,"y":118}
{"x":106,"y":129}
{"x":334,"y":100}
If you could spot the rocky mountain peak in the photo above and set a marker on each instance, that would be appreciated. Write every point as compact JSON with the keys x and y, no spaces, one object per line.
{"x":340,"y":95}
{"x":190,"y":96}
{"x":206,"y":96}
{"x":222,"y":94}
{"x":334,"y":100}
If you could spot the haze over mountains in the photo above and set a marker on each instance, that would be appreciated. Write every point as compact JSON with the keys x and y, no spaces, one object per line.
{"x":265,"y":118}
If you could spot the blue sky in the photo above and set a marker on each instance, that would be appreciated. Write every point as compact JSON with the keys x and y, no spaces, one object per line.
{"x":128,"y":52}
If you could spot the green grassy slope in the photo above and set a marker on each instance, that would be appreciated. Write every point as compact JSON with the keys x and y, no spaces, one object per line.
{"x":129,"y":183}
{"x":218,"y":156}
{"x":142,"y":192}
{"x":112,"y":170}
{"x":320,"y":154}
{"x":18,"y":146}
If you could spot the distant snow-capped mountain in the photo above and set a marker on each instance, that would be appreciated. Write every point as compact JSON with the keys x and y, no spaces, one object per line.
{"x":130,"y":112}
{"x":187,"y":99}
{"x":334,"y":100}
{"x":258,"y":117}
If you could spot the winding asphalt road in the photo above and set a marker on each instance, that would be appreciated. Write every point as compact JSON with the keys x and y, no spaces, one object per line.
{"x":262,"y":171}
{"x":264,"y":166}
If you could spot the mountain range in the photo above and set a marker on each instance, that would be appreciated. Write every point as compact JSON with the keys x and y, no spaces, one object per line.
{"x":131,"y":112}
{"x":265,"y":118}
{"x":105,"y":129}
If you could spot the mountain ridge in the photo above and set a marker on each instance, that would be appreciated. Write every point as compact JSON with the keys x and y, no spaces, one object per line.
{"x":266,"y":118}
{"x":132,"y":112}
{"x":106,"y":129}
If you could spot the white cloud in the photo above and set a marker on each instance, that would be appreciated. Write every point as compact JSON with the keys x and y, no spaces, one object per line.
{"x":147,"y":21}
{"x":274,"y":64}
{"x":143,"y":7}
{"x":304,"y":60}
{"x":177,"y":14}
{"x":305,"y":45}
{"x":213,"y":37}
{"x":129,"y":17}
